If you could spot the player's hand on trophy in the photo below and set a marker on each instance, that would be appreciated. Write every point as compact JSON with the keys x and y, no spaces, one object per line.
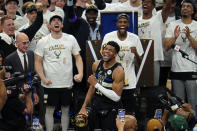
{"x":81,"y":119}
{"x":92,"y":80}
{"x":78,"y":77}
{"x":83,"y":111}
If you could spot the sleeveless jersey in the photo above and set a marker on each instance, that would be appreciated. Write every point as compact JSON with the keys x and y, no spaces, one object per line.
{"x":104,"y":78}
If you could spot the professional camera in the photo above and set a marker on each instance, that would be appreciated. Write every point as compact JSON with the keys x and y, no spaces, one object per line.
{"x":15,"y":84}
{"x":7,"y":68}
{"x":171,"y":103}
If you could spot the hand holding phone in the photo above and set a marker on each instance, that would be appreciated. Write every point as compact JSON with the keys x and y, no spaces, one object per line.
{"x":121,"y":114}
{"x":158,"y":114}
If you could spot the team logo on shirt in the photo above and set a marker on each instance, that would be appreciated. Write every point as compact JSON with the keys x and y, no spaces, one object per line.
{"x":101,"y":76}
{"x":121,"y":55}
{"x":57,"y":49}
{"x":109,"y":72}
{"x":57,"y":53}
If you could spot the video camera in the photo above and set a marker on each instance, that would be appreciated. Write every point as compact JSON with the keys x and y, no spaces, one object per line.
{"x":14,"y":88}
{"x":171,"y":103}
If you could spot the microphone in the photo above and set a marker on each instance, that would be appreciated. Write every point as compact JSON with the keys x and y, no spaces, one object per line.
{"x":177,"y":48}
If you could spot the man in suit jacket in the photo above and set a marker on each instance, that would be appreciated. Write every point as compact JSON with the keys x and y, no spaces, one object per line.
{"x":16,"y":59}
{"x":15,"y":108}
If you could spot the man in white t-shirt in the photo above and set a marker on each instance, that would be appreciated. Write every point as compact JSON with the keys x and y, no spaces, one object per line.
{"x":149,"y":27}
{"x":182,"y":34}
{"x":53,"y":63}
{"x":166,"y":64}
{"x":130,"y":54}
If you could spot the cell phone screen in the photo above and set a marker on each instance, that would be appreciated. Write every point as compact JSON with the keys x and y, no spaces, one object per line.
{"x":158,"y":114}
{"x":121,"y":114}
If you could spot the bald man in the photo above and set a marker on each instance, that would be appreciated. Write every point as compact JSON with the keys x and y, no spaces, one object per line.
{"x":129,"y":123}
{"x":22,"y":60}
{"x":16,"y":59}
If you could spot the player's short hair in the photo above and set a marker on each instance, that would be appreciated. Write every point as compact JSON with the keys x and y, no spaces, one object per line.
{"x":115,"y":45}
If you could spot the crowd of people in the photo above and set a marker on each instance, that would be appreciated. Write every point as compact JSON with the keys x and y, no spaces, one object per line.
{"x":48,"y":39}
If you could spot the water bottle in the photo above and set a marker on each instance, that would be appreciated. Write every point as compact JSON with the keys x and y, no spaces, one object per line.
{"x":35,"y":123}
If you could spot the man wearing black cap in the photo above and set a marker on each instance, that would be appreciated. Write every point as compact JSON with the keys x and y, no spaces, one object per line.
{"x":53,"y":63}
{"x":91,"y":16}
{"x":130,"y":55}
{"x":11,"y":7}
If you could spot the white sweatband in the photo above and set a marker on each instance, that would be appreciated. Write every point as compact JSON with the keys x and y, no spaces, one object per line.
{"x":108,"y":93}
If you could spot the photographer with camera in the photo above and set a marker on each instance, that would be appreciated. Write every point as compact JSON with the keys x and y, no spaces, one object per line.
{"x":14,"y":112}
{"x":175,"y":109}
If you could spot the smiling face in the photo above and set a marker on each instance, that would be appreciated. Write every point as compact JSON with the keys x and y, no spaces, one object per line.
{"x":8,"y":27}
{"x":109,"y":53}
{"x":22,"y":42}
{"x":147,"y":6}
{"x":60,"y":3}
{"x":122,"y":25}
{"x":56,"y":25}
{"x":11,"y":7}
{"x":91,"y":16}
